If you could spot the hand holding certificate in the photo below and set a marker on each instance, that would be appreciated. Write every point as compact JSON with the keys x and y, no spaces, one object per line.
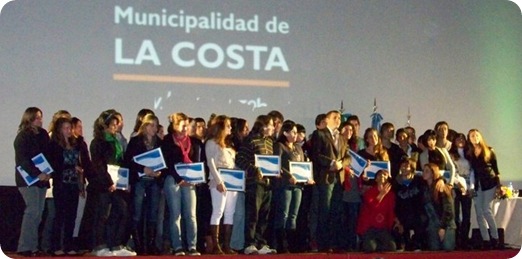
{"x":152,"y":159}
{"x":193,"y":173}
{"x":234,"y":180}
{"x":119,"y":176}
{"x":41,"y":163}
{"x":270,"y":165}
{"x":302,"y":171}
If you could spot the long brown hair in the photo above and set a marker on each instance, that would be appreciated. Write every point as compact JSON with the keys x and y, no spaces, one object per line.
{"x":27,"y":119}
{"x":57,"y":135}
{"x":217,"y":131}
{"x":379,"y":150}
{"x":486,"y":151}
{"x":438,"y":184}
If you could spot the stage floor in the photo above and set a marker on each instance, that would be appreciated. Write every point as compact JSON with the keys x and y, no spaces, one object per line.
{"x":500,"y":254}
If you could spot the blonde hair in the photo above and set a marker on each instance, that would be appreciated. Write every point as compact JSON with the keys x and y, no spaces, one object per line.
{"x":217,"y":131}
{"x":145,"y":121}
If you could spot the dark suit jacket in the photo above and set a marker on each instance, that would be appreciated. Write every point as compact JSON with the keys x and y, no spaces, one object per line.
{"x":324,"y":152}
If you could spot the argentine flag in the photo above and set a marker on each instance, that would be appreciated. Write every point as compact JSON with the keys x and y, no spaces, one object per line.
{"x":192,"y":173}
{"x":358,"y":163}
{"x":119,"y":176}
{"x":270,"y":165}
{"x":375,"y":166}
{"x":234,"y":180}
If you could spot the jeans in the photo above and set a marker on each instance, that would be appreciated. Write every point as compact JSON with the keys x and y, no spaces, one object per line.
{"x":178,"y":199}
{"x":146,"y":188}
{"x":34,"y":198}
{"x":289,"y":200}
{"x":257,"y":208}
{"x":485,"y":218}
{"x":377,"y":240}
{"x":351,"y":211}
{"x":237,"y":241}
{"x":66,"y":205}
{"x":434,"y":242}
{"x":464,"y":223}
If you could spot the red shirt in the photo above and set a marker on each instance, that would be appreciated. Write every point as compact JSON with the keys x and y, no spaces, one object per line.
{"x":376,"y":214}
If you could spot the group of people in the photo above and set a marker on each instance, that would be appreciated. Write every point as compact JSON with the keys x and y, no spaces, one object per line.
{"x":421,"y":202}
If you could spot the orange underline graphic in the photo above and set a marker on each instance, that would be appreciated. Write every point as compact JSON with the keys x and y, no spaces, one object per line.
{"x":199,"y":80}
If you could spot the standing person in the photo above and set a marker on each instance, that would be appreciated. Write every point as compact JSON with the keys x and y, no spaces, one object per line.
{"x":66,"y":157}
{"x":30,"y":141}
{"x":462,"y":194}
{"x":110,"y":216}
{"x":119,"y":132}
{"x":180,"y":195}
{"x":240,"y":131}
{"x":146,"y":186}
{"x":139,"y":118}
{"x":278,"y":119}
{"x":287,"y":191}
{"x":439,"y":206}
{"x":330,"y":152}
{"x":258,"y":192}
{"x":377,"y":217}
{"x":220,"y":154}
{"x":442,"y":130}
{"x":354,"y":120}
{"x":485,"y":168}
{"x":395,"y":153}
{"x":437,"y":155}
{"x":352,"y":192}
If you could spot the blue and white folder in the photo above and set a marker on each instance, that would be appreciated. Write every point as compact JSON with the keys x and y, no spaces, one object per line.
{"x":152,"y":159}
{"x":375,"y":166}
{"x":234,"y":180}
{"x":119,"y":176}
{"x":193,"y":172}
{"x":358,"y":163}
{"x":41,"y":163}
{"x":270,"y":165}
{"x":302,"y":171}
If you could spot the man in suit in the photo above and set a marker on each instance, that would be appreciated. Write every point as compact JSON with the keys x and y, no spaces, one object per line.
{"x":330,"y":157}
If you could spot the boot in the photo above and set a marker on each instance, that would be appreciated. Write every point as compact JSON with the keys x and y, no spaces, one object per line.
{"x":137,"y":237}
{"x":214,"y":230}
{"x":209,"y":245}
{"x":151,"y":239}
{"x":227,"y":234}
{"x":282,"y":242}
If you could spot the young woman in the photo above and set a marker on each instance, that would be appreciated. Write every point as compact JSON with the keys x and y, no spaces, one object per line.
{"x":377,"y":217}
{"x":438,"y":203}
{"x":178,"y":147}
{"x":484,"y":164}
{"x":258,"y":192}
{"x":408,"y":188}
{"x":66,"y":157}
{"x":374,"y":150}
{"x":110,"y":216}
{"x":146,"y":185}
{"x":30,"y":141}
{"x":287,"y":191}
{"x":437,"y":155}
{"x":351,"y":191}
{"x":220,"y":154}
{"x":462,"y":193}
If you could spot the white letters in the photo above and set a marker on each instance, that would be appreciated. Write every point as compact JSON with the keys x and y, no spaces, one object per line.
{"x":147,"y":52}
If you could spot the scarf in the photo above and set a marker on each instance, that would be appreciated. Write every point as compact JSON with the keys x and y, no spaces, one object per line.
{"x":118,"y":149}
{"x":185,"y":145}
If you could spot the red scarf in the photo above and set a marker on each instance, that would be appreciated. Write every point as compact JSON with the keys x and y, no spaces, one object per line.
{"x":184,"y":143}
